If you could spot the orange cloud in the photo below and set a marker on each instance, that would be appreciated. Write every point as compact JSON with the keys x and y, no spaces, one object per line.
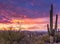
{"x":31,"y":21}
{"x":29,"y":24}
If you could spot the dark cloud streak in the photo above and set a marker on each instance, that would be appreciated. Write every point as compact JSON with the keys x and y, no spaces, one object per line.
{"x":12,"y":9}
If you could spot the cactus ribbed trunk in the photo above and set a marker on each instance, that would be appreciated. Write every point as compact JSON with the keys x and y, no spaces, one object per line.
{"x":51,"y":18}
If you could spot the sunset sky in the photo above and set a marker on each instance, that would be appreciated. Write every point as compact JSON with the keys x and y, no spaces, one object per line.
{"x":32,"y":15}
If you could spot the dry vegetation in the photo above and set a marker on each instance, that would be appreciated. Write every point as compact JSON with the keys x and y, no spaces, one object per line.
{"x":17,"y":37}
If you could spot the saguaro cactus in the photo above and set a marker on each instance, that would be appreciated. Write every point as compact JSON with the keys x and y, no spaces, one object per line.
{"x":52,"y":32}
{"x":51,"y":17}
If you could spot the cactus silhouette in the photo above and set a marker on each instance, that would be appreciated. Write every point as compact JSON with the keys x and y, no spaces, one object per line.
{"x":52,"y":32}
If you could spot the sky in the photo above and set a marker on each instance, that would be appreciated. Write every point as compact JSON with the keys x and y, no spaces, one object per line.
{"x":32,"y":15}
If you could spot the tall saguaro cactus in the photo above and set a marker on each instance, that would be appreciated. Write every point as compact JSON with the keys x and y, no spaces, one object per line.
{"x":52,"y":32}
{"x":51,"y":17}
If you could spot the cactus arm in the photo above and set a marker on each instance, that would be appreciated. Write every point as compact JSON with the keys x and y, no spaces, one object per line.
{"x":48,"y":29}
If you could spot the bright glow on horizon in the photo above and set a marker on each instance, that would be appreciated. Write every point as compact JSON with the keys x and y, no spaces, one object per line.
{"x":28,"y":24}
